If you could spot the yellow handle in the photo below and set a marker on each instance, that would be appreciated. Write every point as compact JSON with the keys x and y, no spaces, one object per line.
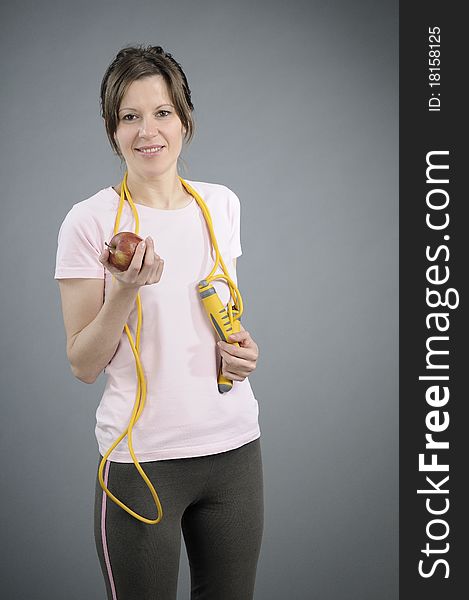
{"x":224,"y":320}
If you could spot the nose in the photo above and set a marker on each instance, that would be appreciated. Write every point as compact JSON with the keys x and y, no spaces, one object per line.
{"x":148,"y":127}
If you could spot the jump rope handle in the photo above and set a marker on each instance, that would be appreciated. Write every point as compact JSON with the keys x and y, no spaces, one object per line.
{"x":220,"y":319}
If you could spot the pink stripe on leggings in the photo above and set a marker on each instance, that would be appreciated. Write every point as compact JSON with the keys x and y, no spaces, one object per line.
{"x":103,"y":533}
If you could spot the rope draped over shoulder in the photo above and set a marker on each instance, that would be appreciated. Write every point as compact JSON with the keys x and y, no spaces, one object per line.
{"x":140,"y":398}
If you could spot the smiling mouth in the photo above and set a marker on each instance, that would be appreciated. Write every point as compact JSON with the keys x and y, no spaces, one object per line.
{"x":150,"y":151}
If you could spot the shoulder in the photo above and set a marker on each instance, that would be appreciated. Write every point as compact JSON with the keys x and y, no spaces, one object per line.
{"x":216,"y":194}
{"x":213,"y":189}
{"x":98,"y":204}
{"x":94,"y":209}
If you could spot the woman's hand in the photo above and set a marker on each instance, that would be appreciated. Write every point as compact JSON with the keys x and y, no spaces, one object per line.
{"x":238,"y":362}
{"x":145,"y":268}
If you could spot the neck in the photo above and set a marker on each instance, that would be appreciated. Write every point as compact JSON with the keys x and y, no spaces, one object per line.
{"x":164,"y":192}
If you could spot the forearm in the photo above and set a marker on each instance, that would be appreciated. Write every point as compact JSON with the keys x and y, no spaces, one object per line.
{"x":96,"y":344}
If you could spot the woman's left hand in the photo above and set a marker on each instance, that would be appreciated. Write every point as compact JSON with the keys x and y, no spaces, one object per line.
{"x":238,"y":361}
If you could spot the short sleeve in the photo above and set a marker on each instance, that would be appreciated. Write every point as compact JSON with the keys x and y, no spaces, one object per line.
{"x":79,"y":246}
{"x":235,"y":224}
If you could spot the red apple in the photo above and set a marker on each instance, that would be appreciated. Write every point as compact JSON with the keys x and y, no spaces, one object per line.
{"x":122,"y":248}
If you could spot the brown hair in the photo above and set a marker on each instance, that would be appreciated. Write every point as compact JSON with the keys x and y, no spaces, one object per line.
{"x":135,"y":62}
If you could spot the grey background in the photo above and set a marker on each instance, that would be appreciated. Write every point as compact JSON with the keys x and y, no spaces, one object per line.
{"x":296,"y":111}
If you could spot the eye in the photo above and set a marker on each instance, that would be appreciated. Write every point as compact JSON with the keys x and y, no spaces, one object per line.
{"x":160,"y":113}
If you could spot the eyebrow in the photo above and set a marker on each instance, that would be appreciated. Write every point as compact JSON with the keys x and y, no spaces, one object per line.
{"x":137,"y":109}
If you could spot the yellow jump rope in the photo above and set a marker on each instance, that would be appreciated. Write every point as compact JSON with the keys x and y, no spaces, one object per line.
{"x":225,"y":320}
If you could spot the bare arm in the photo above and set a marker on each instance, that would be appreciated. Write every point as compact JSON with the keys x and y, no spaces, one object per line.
{"x":93,"y":326}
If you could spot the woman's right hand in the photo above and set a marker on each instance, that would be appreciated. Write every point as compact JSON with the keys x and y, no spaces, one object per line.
{"x":145,"y":268}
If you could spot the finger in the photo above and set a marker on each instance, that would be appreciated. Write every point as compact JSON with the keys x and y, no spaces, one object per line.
{"x":233,"y":363}
{"x":235,"y":368}
{"x":156,"y":270}
{"x":233,"y":349}
{"x":104,"y":256}
{"x":104,"y":260}
{"x":150,"y":247}
{"x":238,"y":365}
{"x":137,"y":259}
{"x":159,"y":269}
{"x":242,"y":337}
{"x":150,"y":244}
{"x":149,"y":257}
{"x":232,"y":376}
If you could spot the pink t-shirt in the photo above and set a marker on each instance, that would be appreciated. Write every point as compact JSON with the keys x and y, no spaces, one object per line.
{"x":184,"y":414}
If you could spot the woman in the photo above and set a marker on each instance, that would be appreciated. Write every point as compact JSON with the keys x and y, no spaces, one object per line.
{"x":200,"y":448}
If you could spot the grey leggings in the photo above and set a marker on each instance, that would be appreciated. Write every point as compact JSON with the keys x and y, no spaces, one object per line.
{"x":218,"y":502}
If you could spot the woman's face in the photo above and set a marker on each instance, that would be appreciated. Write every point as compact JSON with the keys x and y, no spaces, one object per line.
{"x":146,"y":119}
